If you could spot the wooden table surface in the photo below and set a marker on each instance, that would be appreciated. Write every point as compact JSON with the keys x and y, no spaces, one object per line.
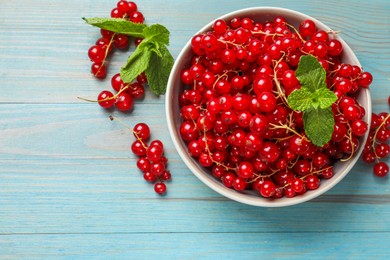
{"x":69,"y":186}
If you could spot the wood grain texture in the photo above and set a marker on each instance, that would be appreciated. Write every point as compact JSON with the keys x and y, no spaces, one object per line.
{"x":69,"y":186}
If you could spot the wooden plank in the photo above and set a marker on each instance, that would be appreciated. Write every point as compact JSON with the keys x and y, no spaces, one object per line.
{"x":84,"y":196}
{"x":277,"y":245}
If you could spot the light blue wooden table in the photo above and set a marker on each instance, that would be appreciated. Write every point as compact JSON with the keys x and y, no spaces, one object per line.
{"x":69,"y":187}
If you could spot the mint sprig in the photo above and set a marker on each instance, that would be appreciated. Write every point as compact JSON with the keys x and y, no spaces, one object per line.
{"x":314,"y":99}
{"x":151,"y":55}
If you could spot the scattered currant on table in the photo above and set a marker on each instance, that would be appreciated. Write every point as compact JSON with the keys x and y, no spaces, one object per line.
{"x":270,"y":108}
{"x":151,"y":160}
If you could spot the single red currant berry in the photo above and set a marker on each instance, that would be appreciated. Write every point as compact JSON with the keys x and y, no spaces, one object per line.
{"x":312,"y":182}
{"x":189,"y":131}
{"x":106,"y":34}
{"x":382,"y":150}
{"x":205,"y":160}
{"x":136,"y":17}
{"x":166,"y":176}
{"x":289,"y":192}
{"x":141,"y":131}
{"x":228,"y":178}
{"x":106,"y":99}
{"x":269,"y":152}
{"x":334,"y":47}
{"x":307,"y":28}
{"x":154,"y":153}
{"x":96,"y":54}
{"x":365,"y":79}
{"x":160,"y":188}
{"x":136,"y":90}
{"x":262,"y":84}
{"x":359,"y":127}
{"x":220,"y":26}
{"x":299,"y":145}
{"x":368,"y":157}
{"x":298,"y":185}
{"x":150,"y":177}
{"x":245,"y":170}
{"x":267,"y":101}
{"x":99,"y":70}
{"x":267,"y":189}
{"x":239,"y":184}
{"x":117,"y":13}
{"x":157,"y":168}
{"x":121,"y":41}
{"x":327,"y":173}
{"x":381,"y":169}
{"x":138,"y":148}
{"x":143,"y":164}
{"x":124,"y":102}
{"x":116,"y":82}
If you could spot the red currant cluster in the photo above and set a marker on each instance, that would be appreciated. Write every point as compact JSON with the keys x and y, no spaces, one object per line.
{"x":123,"y":100}
{"x":376,"y":147}
{"x":236,"y":120}
{"x":104,"y":46}
{"x":151,"y":161}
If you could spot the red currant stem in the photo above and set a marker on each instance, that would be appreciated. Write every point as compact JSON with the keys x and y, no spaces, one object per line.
{"x":315,"y":172}
{"x":128,"y":127}
{"x":375,"y":134}
{"x":220,"y":77}
{"x":106,"y":99}
{"x":106,"y":53}
{"x":289,"y":129}
{"x":278,"y":86}
{"x":296,"y":31}
{"x":258,"y":176}
{"x":266,"y":34}
{"x":352,"y":145}
{"x":231,"y":43}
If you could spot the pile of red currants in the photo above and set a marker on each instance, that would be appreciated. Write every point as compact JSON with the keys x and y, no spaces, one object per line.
{"x":235,"y":118}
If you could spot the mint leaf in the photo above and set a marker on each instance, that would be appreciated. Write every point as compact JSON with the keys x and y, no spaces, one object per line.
{"x":324,"y":97}
{"x":159,"y":70}
{"x":137,"y":63}
{"x":300,"y":99}
{"x":310,"y":73}
{"x":319,"y":125}
{"x":118,"y":25}
{"x":156,"y":33}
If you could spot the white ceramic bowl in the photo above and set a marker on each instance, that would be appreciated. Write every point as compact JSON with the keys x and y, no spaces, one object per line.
{"x":259,"y":14}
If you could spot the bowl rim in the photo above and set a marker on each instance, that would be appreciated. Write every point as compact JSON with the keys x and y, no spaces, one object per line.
{"x":233,"y":194}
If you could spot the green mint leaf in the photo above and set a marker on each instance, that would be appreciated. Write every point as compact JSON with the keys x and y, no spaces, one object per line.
{"x":300,"y":99}
{"x":310,"y":73}
{"x":151,"y":46}
{"x":324,"y":97}
{"x":137,"y":63}
{"x":118,"y":25}
{"x":319,"y":125}
{"x":159,"y":70}
{"x":156,"y":33}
